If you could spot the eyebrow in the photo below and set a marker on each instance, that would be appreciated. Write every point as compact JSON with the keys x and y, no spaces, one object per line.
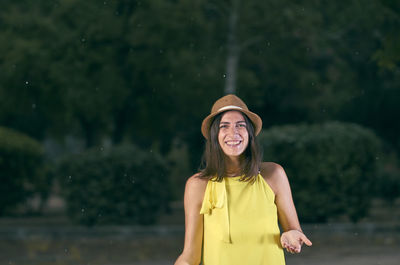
{"x":226,"y":122}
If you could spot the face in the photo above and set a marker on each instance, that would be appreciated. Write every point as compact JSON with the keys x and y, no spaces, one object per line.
{"x":233,"y":136}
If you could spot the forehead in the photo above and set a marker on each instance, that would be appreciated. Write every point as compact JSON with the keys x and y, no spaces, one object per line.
{"x":232,"y":116}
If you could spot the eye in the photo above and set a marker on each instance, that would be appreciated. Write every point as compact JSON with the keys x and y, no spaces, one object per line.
{"x":223,"y":126}
{"x":242,"y":125}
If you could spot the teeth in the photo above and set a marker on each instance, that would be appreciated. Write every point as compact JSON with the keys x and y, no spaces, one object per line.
{"x":233,"y":142}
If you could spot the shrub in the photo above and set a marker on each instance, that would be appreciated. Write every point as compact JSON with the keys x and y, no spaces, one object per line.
{"x":120,"y":185}
{"x":388,"y":183}
{"x":22,"y":172}
{"x":179,"y":167}
{"x":331,"y":167}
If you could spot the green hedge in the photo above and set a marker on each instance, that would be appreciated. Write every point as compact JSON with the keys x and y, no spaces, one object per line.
{"x":22,"y":171}
{"x":178,"y":159}
{"x":115,"y":186}
{"x":331,"y":167}
{"x":388,"y":183}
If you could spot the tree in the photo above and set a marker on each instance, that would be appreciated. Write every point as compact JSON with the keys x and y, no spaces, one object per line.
{"x":148,"y":71}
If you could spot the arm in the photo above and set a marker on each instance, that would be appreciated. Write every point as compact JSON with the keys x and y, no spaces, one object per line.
{"x":194,"y":193}
{"x":292,"y":238}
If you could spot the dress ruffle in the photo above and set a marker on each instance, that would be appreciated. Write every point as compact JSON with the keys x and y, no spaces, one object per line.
{"x":215,"y":198}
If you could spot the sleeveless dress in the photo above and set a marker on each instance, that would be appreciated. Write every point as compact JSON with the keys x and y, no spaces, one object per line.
{"x":240,"y":224}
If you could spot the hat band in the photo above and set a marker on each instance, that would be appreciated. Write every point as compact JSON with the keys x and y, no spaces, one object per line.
{"x":229,"y":107}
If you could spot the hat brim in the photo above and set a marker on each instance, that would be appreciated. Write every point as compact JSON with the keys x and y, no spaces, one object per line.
{"x":254,"y":118}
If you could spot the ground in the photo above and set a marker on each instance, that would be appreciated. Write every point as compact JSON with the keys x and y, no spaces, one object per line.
{"x":333,"y":244}
{"x":52,"y":240}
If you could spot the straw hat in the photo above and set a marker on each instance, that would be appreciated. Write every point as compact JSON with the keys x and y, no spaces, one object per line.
{"x":230,"y":102}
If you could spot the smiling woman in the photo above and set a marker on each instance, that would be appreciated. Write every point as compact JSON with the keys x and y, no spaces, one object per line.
{"x":231,"y":133}
{"x":233,"y":137}
{"x":232,"y":205}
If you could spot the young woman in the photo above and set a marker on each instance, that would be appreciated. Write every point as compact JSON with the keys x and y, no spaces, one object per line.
{"x":233,"y":205}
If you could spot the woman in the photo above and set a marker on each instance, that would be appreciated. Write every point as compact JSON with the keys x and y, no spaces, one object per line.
{"x":232,"y":206}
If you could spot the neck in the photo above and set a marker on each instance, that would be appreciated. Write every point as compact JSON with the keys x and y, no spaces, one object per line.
{"x":233,"y":166}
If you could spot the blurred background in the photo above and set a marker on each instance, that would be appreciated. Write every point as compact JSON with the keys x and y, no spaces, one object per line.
{"x":101,"y":104}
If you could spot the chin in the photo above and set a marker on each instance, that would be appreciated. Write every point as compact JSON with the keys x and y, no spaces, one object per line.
{"x":233,"y":153}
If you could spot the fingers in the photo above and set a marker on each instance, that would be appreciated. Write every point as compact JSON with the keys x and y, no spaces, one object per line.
{"x":292,"y":246}
{"x":306,"y":240}
{"x":293,"y":240}
{"x":292,"y":249}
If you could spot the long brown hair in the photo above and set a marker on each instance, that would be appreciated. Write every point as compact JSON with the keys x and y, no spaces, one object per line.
{"x":213,"y":165}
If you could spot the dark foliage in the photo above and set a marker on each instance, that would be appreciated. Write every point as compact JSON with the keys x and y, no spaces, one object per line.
{"x":147,"y":72}
{"x":331,"y":167}
{"x":119,"y":185}
{"x":22,"y":172}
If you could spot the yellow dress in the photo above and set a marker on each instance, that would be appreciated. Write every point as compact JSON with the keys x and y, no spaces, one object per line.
{"x":240,"y":224}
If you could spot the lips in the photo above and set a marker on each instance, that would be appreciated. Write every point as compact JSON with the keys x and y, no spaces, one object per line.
{"x":233,"y":143}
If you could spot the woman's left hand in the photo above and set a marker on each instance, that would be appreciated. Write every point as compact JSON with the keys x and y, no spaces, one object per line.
{"x":292,"y":240}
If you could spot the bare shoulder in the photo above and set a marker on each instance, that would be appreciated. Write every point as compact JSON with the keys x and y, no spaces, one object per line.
{"x":274,"y":175}
{"x":195,"y":188}
{"x":271,"y":170}
{"x":195,"y":182}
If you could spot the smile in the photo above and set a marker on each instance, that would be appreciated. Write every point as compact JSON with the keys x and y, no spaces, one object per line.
{"x":233,"y":143}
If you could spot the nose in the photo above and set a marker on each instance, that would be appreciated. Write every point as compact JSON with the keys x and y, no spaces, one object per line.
{"x":234,"y":130}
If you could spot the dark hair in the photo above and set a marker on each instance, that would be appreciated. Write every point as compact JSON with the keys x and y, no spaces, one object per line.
{"x":213,"y":165}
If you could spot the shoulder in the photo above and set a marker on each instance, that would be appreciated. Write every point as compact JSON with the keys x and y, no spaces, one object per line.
{"x":195,"y":182}
{"x":273,"y":174}
{"x":195,"y":187}
{"x":271,"y":170}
